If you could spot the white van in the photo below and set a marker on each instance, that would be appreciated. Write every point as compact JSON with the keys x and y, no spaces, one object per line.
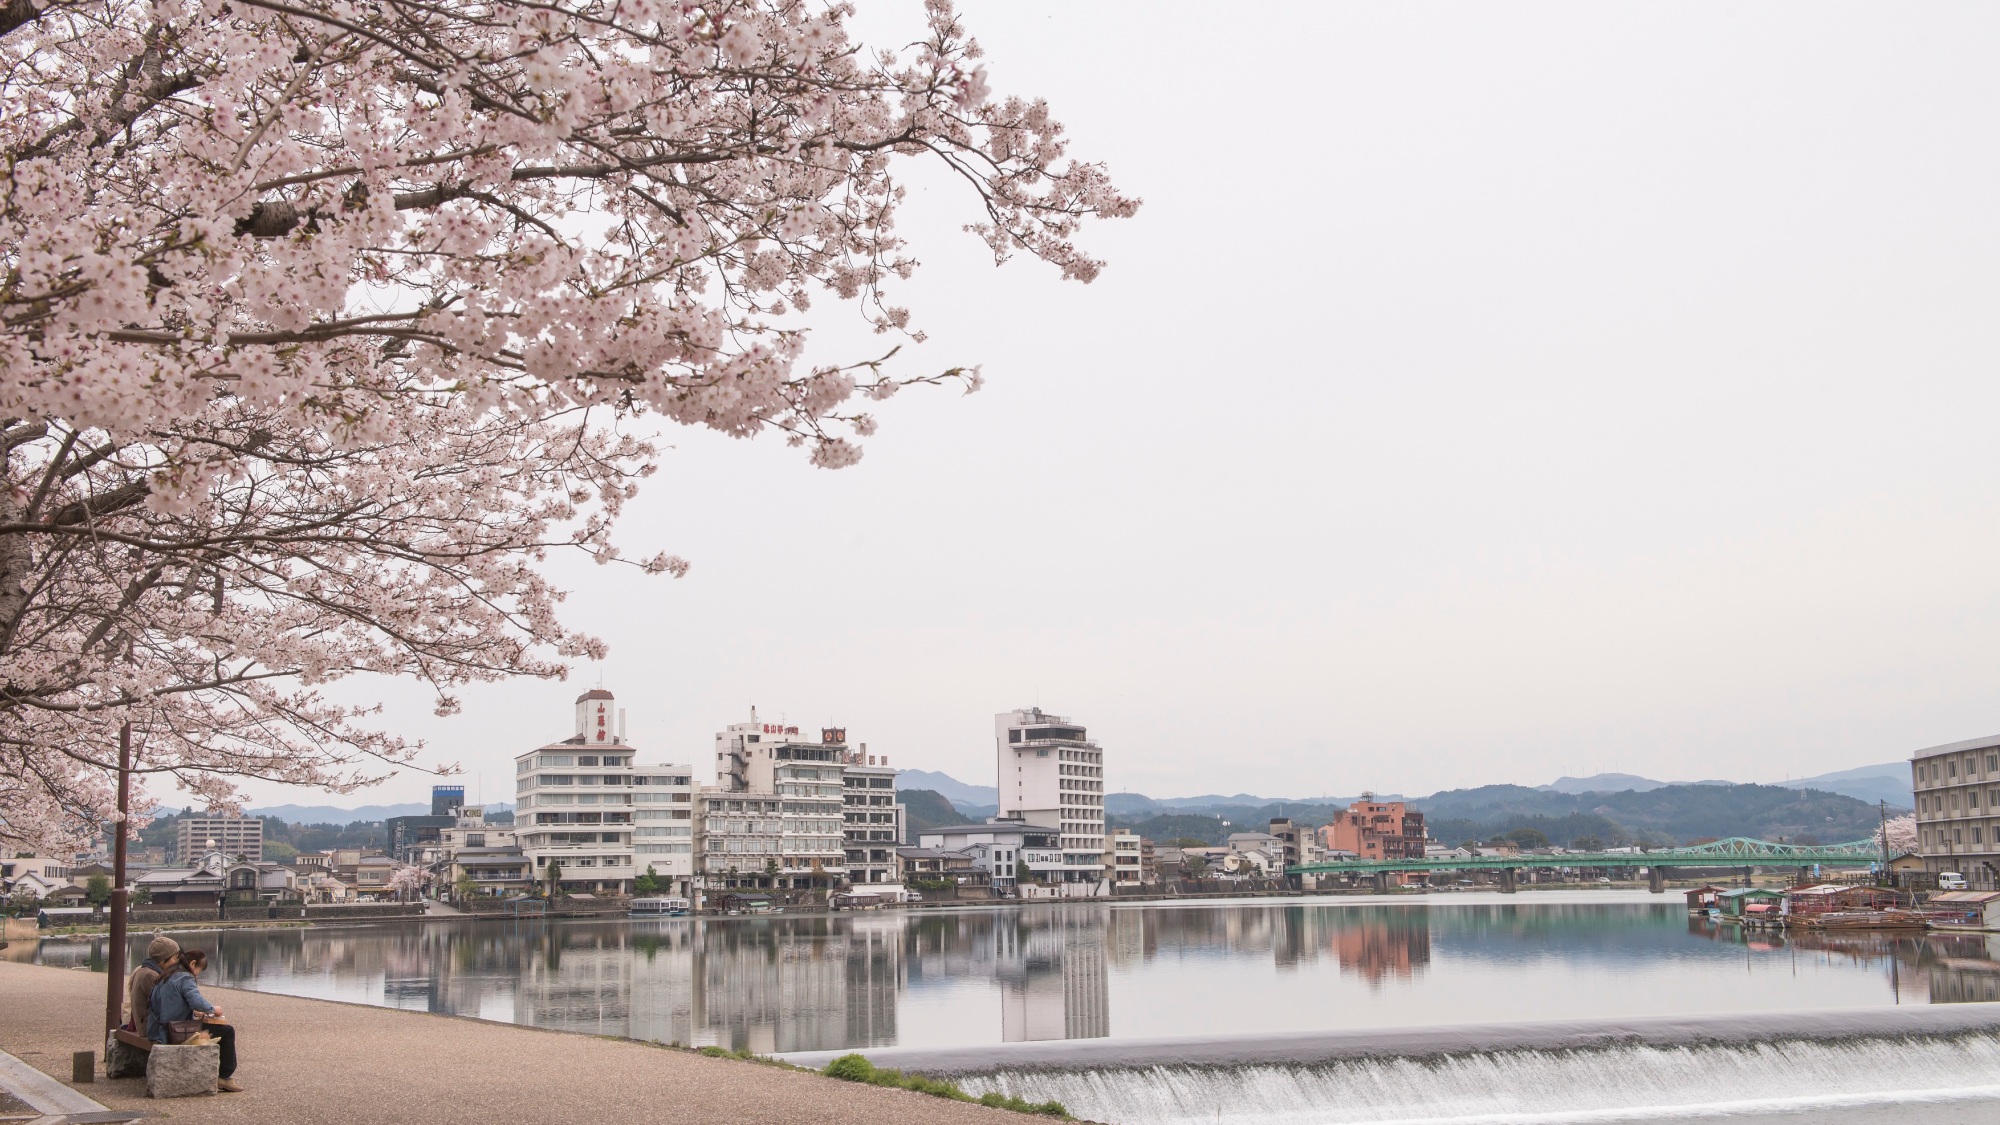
{"x":1950,"y":881}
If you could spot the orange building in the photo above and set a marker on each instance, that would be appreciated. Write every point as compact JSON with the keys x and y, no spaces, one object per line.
{"x":1376,"y":830}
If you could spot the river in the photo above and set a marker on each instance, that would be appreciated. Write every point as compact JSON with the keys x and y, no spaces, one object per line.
{"x":975,"y":977}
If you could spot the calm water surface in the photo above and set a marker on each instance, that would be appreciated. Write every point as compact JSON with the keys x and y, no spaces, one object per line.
{"x":961,"y":977}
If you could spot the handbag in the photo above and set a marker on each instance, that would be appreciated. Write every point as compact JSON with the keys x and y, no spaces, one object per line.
{"x":180,"y":1031}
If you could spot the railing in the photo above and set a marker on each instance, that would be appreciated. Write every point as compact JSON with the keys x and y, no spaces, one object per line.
{"x":1738,"y":851}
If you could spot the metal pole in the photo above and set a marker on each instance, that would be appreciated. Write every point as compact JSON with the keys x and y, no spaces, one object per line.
{"x":1885,"y":836}
{"x":114,"y":957}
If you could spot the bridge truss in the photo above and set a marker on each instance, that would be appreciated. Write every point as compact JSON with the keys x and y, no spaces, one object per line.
{"x":1737,"y":851}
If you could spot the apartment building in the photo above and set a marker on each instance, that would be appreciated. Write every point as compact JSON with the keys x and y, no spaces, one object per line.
{"x":1051,"y":774}
{"x":776,"y":817}
{"x":197,"y":836}
{"x":1373,"y":829}
{"x":586,"y":804}
{"x":1958,"y":807}
{"x":872,"y":818}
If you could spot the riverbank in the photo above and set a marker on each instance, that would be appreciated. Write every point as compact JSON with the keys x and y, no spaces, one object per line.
{"x":307,"y":1062}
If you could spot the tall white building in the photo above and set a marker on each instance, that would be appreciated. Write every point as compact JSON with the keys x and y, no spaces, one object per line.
{"x":1052,"y":775}
{"x":585,"y":803}
{"x":873,"y":818}
{"x":774,"y":819}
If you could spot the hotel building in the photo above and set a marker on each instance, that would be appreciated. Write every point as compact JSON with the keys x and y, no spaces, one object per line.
{"x":584,"y":803}
{"x":775,"y":819}
{"x":1052,"y":775}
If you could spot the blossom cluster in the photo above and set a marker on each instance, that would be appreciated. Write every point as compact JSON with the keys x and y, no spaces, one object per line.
{"x":321,"y":324}
{"x":312,"y":205}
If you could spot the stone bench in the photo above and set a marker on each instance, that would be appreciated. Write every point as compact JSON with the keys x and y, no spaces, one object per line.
{"x":125,"y":1054}
{"x":182,"y":1071}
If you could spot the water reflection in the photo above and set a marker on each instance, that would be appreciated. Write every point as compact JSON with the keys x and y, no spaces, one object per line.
{"x":1087,"y":970}
{"x":1936,"y":967}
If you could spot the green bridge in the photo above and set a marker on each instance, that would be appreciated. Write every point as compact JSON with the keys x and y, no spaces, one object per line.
{"x":1737,"y":851}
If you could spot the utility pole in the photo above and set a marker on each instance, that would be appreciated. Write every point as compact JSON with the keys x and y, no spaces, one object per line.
{"x":114,"y":956}
{"x":1884,"y":806}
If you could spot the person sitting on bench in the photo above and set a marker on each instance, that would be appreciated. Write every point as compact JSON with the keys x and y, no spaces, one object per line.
{"x":162,"y":955}
{"x":179,"y":998}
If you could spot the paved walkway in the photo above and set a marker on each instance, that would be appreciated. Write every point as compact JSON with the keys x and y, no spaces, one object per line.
{"x":311,"y":1061}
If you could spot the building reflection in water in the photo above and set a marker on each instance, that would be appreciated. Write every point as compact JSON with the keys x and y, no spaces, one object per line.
{"x":824,"y":982}
{"x":1937,"y":966}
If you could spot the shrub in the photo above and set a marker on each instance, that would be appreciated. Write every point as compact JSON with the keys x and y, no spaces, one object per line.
{"x":855,"y":1068}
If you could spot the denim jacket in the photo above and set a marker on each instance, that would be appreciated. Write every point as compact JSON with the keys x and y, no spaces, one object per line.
{"x":175,"y":998}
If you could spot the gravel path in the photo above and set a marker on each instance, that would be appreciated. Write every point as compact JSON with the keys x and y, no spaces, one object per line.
{"x":309,"y":1061}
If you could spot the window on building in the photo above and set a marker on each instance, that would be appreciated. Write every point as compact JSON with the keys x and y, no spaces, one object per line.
{"x":1976,"y":834}
{"x":587,"y":760}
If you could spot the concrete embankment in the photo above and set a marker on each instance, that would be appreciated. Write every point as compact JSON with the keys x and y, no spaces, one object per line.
{"x":307,"y":1062}
{"x":1308,"y":1048}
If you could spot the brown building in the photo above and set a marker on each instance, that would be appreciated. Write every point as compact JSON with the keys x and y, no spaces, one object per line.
{"x":1374,"y":829}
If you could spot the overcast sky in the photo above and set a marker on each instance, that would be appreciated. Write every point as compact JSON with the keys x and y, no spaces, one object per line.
{"x":1484,"y":393}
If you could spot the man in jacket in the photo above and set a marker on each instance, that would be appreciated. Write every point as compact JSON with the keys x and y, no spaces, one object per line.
{"x":161,"y":956}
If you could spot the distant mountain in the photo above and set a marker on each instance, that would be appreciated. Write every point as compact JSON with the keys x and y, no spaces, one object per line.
{"x":1668,"y":814}
{"x":1889,"y":782}
{"x":329,"y":814}
{"x":1615,"y":783}
{"x":950,"y":788}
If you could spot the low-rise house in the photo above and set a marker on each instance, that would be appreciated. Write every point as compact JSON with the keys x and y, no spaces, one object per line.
{"x":1004,"y":848}
{"x":937,"y":864}
{"x":1252,"y":841}
{"x":1978,"y":910}
{"x":326,"y":887}
{"x":1827,"y":898}
{"x":1751,"y":902}
{"x":200,"y":885}
{"x":369,"y":876}
{"x":32,"y":885}
{"x":81,"y":876}
{"x":1704,"y":897}
{"x":499,"y":871}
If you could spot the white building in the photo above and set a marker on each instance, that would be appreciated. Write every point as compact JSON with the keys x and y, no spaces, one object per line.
{"x":1127,"y":858}
{"x":196,"y":836}
{"x":775,"y":817}
{"x":584,"y":803}
{"x":1958,"y":808}
{"x":873,"y":818}
{"x":1002,"y":847}
{"x":1051,"y":774}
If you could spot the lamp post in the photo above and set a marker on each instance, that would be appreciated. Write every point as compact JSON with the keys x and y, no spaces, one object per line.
{"x":114,"y":957}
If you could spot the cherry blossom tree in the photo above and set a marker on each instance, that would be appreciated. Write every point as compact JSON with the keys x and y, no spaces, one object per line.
{"x":407,"y":881}
{"x":1900,"y":834}
{"x":320,"y":325}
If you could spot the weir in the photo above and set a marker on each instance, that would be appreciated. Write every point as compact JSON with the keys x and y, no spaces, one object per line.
{"x":1635,"y":1069}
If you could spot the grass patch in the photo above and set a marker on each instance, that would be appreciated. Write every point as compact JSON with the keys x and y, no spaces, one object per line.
{"x":854,"y":1068}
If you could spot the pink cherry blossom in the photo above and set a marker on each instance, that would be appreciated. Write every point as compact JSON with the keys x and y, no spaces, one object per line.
{"x":321,"y":326}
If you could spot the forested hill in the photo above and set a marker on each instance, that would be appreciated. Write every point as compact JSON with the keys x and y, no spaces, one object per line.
{"x":1672,"y":814}
{"x":923,"y":809}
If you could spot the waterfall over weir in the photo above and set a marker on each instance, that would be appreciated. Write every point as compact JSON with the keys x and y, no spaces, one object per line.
{"x":1931,"y":1063}
{"x":1632,"y":1083}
